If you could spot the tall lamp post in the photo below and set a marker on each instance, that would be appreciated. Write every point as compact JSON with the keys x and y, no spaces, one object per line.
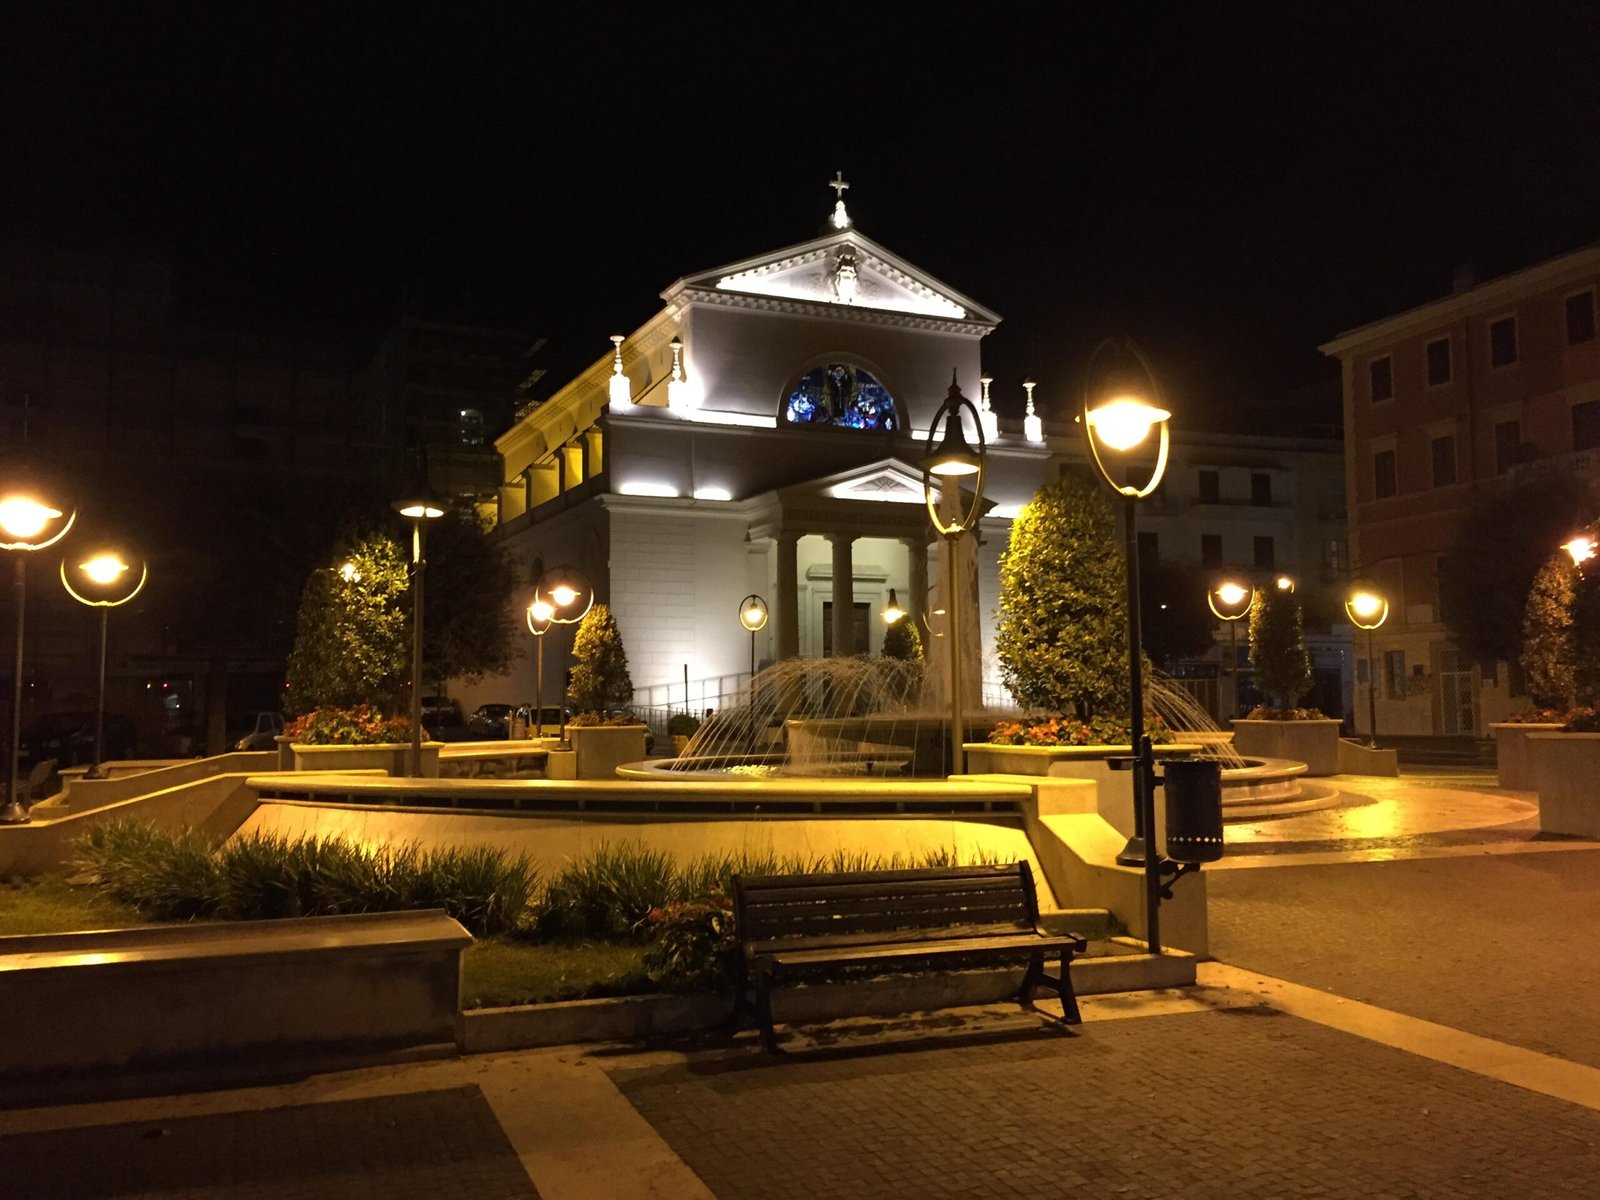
{"x":1119,"y":411}
{"x":570,"y":596}
{"x":753,"y":616}
{"x":953,"y":460}
{"x":30,"y":520}
{"x":1230,"y":601}
{"x":1367,"y":609}
{"x":104,"y":578}
{"x":540,"y":612}
{"x":419,"y":510}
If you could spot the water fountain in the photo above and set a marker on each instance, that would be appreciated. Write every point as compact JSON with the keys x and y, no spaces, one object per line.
{"x":863,"y":718}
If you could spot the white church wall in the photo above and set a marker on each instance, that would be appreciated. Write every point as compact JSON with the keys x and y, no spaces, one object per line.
{"x":677,"y":579}
{"x":746,"y":360}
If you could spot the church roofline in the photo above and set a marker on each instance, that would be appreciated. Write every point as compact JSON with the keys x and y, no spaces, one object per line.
{"x":708,"y":280}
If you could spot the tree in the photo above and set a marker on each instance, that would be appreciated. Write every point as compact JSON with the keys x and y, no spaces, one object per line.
{"x":600,"y":679}
{"x":468,"y":627}
{"x":1278,"y":645}
{"x":902,"y":641}
{"x":1548,"y":654}
{"x":1500,"y":545}
{"x":1061,"y":638}
{"x":352,"y":640}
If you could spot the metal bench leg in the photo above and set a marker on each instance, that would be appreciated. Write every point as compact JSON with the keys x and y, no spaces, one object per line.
{"x":1030,"y":981}
{"x":1069,"y":998}
{"x":769,"y":1037}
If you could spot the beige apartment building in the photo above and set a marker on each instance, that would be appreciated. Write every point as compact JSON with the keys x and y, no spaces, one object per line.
{"x":1442,"y":403}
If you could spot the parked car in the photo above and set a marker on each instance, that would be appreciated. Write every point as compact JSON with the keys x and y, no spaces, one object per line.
{"x":549,"y":724}
{"x":69,"y":738}
{"x":490,"y":721}
{"x":269,"y":727}
{"x":442,"y":719}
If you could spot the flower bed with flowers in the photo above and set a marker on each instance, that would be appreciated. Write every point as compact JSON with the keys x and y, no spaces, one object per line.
{"x":362,"y":725}
{"x":1265,"y":712}
{"x":1069,"y":731}
{"x":1582,"y":719}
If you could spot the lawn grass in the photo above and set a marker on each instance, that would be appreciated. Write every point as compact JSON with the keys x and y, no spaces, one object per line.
{"x":498,"y":972}
{"x":50,"y":904}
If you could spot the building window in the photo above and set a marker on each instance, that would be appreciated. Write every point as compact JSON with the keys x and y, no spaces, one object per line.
{"x":1586,"y":425}
{"x":1507,"y":437}
{"x":1210,"y":549}
{"x":1444,"y":460}
{"x":1384,"y":483}
{"x":861,"y":624}
{"x":1503,"y":342}
{"x":1264,"y":556}
{"x":1380,"y":371}
{"x":470,"y":427}
{"x":1261,"y":489}
{"x":1149,"y":548}
{"x":1210,"y":487}
{"x":843,"y":397}
{"x":1580,"y":318}
{"x":1439,"y":362}
{"x":1333,"y":557}
{"x":1394,"y":674}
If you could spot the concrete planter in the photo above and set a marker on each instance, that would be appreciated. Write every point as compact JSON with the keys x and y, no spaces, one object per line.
{"x":1315,"y":742}
{"x":1514,"y":755}
{"x":601,"y":749}
{"x":1565,"y":767}
{"x":393,"y":757}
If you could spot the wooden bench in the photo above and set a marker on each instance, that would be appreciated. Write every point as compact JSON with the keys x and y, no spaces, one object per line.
{"x":934,"y":919}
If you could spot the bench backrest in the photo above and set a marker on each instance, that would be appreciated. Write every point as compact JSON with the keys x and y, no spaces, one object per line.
{"x":898,"y":905}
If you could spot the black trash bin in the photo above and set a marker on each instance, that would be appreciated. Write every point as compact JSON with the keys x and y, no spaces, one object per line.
{"x":1194,"y":809}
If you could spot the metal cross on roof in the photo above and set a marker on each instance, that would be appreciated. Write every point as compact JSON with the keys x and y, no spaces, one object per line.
{"x":838,"y":184}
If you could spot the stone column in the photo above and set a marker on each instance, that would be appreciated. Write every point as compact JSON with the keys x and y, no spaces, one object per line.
{"x":844,"y":595}
{"x":917,"y":601}
{"x":786,"y":601}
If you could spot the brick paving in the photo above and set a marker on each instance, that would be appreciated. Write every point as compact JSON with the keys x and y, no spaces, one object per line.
{"x":1504,"y":946}
{"x":417,"y":1146}
{"x":1232,"y":1105}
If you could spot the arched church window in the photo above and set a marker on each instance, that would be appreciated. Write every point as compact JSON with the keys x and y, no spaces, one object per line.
{"x":842,"y":396}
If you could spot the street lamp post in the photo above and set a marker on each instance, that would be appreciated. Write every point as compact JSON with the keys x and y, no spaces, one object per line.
{"x":419,"y":510}
{"x":570,"y":596}
{"x":1230,"y":601}
{"x":540,"y":614}
{"x":1118,"y":415}
{"x":106,"y":578}
{"x":953,"y":460}
{"x":753,"y":616}
{"x":30,"y":520}
{"x":1367,"y":609}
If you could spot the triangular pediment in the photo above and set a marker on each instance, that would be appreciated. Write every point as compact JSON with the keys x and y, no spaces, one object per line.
{"x":844,"y":270}
{"x":888,"y":480}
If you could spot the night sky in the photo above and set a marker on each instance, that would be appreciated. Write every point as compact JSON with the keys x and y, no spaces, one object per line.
{"x":1230,"y":185}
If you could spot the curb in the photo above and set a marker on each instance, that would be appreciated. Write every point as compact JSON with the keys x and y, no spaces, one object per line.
{"x":638,"y":1018}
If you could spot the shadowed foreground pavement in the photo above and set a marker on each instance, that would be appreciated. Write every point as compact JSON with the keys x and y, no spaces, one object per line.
{"x":426,"y":1145}
{"x":1233,"y":1104}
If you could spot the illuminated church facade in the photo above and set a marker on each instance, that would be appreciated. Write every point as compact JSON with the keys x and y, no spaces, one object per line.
{"x":761,"y":435}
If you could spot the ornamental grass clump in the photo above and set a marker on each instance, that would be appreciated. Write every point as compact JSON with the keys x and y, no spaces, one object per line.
{"x":610,"y":892}
{"x":165,"y":876}
{"x":175,"y":876}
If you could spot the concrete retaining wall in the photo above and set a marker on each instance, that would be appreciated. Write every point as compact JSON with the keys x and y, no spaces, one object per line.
{"x":217,"y":994}
{"x":1566,"y":767}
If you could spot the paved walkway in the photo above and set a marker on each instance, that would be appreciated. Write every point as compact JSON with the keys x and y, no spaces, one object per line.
{"x":1408,"y":1013}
